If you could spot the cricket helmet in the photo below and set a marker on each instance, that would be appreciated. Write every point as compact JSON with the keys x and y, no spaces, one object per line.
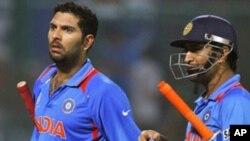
{"x":204,"y":29}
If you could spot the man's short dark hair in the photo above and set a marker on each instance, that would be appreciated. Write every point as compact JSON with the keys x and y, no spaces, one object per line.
{"x":88,"y":22}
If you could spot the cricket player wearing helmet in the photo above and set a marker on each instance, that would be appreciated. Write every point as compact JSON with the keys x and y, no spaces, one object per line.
{"x":209,"y":58}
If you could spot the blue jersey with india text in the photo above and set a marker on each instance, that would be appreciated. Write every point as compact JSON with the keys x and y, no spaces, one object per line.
{"x":228,"y":105}
{"x":88,"y":107}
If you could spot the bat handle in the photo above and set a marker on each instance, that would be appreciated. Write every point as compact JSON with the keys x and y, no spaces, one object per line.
{"x":25,"y":94}
{"x":185,"y":110}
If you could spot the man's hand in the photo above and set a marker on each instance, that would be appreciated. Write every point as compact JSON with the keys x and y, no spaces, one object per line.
{"x":151,"y":135}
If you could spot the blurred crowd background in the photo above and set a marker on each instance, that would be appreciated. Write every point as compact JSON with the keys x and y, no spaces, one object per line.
{"x":132,"y":48}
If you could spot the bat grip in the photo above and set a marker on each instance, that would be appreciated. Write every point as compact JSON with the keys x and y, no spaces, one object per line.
{"x":26,"y":96}
{"x":184,"y":109}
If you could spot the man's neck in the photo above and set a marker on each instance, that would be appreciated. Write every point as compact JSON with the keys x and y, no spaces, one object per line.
{"x":63,"y":74}
{"x":219,"y":78}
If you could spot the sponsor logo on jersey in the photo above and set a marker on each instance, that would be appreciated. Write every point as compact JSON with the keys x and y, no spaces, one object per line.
{"x":68,"y":106}
{"x":226,"y":134}
{"x":125,"y":113}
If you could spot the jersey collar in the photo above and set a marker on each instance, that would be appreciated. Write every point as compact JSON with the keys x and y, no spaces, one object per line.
{"x":81,"y":74}
{"x":223,"y":88}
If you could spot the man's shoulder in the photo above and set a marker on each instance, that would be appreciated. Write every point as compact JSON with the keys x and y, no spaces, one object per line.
{"x":238,"y":92}
{"x":238,"y":96}
{"x":102,"y":83}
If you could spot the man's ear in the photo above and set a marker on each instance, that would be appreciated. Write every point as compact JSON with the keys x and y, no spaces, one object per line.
{"x":88,"y":41}
{"x":225,"y":52}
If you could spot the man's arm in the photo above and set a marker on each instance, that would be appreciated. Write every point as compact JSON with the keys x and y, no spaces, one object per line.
{"x":112,"y":113}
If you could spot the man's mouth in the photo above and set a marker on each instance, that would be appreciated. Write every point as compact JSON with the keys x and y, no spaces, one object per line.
{"x":56,"y":47}
{"x":192,"y":70}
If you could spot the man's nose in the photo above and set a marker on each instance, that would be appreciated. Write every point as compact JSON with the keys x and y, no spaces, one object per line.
{"x":57,"y":34}
{"x":188,"y":57}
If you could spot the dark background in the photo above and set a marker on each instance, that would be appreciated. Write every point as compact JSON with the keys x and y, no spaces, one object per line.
{"x":132,"y":48}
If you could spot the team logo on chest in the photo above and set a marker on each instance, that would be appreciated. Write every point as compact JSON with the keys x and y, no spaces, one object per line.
{"x":207,"y":115}
{"x":68,"y":106}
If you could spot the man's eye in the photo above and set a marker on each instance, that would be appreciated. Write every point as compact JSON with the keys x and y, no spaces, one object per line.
{"x":52,"y":27}
{"x":69,"y":30}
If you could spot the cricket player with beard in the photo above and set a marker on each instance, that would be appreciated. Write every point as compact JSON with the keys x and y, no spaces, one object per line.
{"x":73,"y":100}
{"x":209,"y":58}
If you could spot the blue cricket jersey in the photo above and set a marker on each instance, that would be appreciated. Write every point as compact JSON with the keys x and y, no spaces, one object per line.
{"x":228,"y":105}
{"x":88,"y":107}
